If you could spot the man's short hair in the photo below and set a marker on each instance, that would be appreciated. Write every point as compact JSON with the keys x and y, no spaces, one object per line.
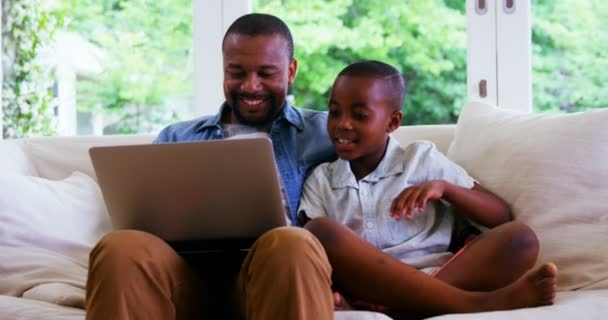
{"x":261,"y":24}
{"x":392,"y":78}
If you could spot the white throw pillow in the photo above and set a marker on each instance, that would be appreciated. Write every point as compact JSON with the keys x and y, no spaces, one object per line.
{"x":553,"y":171}
{"x":47,"y":229}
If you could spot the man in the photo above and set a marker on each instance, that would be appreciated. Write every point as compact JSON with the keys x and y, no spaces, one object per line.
{"x":286,"y":274}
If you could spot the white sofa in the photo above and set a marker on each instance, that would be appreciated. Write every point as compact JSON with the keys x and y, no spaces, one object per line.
{"x":553,"y":170}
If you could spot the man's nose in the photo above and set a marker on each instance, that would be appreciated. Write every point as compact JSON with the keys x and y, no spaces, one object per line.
{"x":251,"y":83}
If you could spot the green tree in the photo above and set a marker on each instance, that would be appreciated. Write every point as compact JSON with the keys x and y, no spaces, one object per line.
{"x":27,"y":98}
{"x":148,"y":58}
{"x":425,"y":39}
{"x":570,"y":55}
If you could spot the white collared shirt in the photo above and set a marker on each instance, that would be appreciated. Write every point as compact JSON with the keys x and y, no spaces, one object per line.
{"x":333,"y":191}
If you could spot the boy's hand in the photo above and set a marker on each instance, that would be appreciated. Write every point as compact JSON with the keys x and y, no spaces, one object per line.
{"x":416,"y":197}
{"x":342,"y":304}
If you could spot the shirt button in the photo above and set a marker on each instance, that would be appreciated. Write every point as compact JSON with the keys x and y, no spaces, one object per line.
{"x":369,"y":225}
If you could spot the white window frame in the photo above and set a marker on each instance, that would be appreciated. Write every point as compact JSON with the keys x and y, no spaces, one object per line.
{"x":211,"y":19}
{"x":499,"y":51}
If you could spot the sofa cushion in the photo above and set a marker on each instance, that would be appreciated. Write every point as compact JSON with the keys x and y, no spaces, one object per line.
{"x":47,"y":229}
{"x":552,"y":170}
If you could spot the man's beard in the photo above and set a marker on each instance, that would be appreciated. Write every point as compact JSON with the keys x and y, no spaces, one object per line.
{"x":268,"y":119}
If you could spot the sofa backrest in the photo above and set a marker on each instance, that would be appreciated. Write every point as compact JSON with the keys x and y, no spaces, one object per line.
{"x":57,"y":157}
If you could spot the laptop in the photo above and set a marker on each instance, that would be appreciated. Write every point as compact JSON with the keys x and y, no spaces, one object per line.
{"x":199,"y":196}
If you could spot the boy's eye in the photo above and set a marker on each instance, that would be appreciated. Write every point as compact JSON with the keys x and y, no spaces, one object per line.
{"x":334,"y":113}
{"x":360,"y":116}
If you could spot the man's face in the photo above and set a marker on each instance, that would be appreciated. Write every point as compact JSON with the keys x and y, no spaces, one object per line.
{"x":360,"y":119}
{"x":257,"y":73}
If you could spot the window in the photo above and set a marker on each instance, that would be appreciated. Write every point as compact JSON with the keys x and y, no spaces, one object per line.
{"x":425,"y":40}
{"x":126,"y":66}
{"x":123,"y":66}
{"x":569,"y":55}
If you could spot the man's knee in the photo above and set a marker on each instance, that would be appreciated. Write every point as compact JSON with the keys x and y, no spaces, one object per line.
{"x":123,"y":246}
{"x":288,"y":239}
{"x":290,"y":245}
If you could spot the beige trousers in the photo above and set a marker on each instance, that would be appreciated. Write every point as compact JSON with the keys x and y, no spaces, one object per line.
{"x":136,"y":275}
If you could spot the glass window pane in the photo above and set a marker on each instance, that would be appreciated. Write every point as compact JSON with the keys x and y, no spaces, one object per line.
{"x":124,"y":66}
{"x":425,"y":40}
{"x":570,"y":55}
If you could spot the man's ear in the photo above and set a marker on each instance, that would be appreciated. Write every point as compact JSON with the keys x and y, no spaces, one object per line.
{"x":394,"y":121}
{"x":292,"y":71}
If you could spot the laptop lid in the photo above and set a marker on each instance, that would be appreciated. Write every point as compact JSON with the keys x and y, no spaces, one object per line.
{"x":206,"y":190}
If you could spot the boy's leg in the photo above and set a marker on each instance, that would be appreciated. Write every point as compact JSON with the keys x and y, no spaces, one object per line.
{"x":363,"y":272}
{"x":135,"y":275}
{"x":493,"y":260}
{"x":286,"y":275}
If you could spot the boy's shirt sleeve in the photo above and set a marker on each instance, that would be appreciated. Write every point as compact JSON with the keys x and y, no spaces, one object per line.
{"x":431,"y":164}
{"x":312,"y":201}
{"x":442,"y":168}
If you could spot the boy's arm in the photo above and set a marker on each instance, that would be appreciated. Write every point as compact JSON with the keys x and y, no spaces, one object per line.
{"x":476,"y":204}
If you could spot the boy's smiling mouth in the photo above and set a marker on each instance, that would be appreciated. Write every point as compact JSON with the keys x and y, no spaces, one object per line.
{"x":342,"y":141}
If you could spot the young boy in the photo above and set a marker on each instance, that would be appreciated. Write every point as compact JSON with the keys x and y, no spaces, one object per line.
{"x":381,"y":212}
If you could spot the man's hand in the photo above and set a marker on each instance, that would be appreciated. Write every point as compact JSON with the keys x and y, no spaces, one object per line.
{"x":416,"y":197}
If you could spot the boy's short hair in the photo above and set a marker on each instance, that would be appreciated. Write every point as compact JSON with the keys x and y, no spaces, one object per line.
{"x":261,"y":24}
{"x":392,"y":78}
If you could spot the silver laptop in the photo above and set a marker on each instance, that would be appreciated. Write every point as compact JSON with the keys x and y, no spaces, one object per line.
{"x":223,"y":193}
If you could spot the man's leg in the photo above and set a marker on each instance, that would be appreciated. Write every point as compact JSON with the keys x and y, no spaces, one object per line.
{"x":494,"y":259}
{"x":363,"y":272}
{"x":286,"y":275}
{"x":135,"y":275}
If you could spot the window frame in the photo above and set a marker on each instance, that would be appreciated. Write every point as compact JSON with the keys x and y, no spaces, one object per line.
{"x":499,"y":50}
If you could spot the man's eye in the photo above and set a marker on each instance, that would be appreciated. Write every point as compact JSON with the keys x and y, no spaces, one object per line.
{"x":266,"y":75}
{"x":236,"y":74}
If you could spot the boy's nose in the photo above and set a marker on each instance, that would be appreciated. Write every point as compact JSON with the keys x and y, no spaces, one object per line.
{"x":345,"y":124}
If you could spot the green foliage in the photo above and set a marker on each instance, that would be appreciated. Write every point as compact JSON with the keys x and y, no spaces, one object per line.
{"x":426,"y":40}
{"x":329,"y":35}
{"x":147,"y":46}
{"x":147,"y":61}
{"x":27,"y":99}
{"x":570,"y":55}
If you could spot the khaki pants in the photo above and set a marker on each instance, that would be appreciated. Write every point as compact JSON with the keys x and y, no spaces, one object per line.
{"x":136,"y":275}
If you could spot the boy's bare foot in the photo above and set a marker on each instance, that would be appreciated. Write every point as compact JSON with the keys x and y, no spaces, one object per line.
{"x":535,"y":288}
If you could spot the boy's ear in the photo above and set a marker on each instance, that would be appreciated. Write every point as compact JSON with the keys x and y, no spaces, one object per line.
{"x":394,"y":121}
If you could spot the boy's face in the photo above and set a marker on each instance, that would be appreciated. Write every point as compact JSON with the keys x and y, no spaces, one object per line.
{"x":257,"y":73}
{"x":360,"y":119}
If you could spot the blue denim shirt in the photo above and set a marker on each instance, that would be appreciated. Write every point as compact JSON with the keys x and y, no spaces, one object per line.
{"x":299,"y":138}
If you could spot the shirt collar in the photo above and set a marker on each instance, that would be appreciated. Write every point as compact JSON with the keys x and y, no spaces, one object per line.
{"x":289,"y":113}
{"x":391,"y":164}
